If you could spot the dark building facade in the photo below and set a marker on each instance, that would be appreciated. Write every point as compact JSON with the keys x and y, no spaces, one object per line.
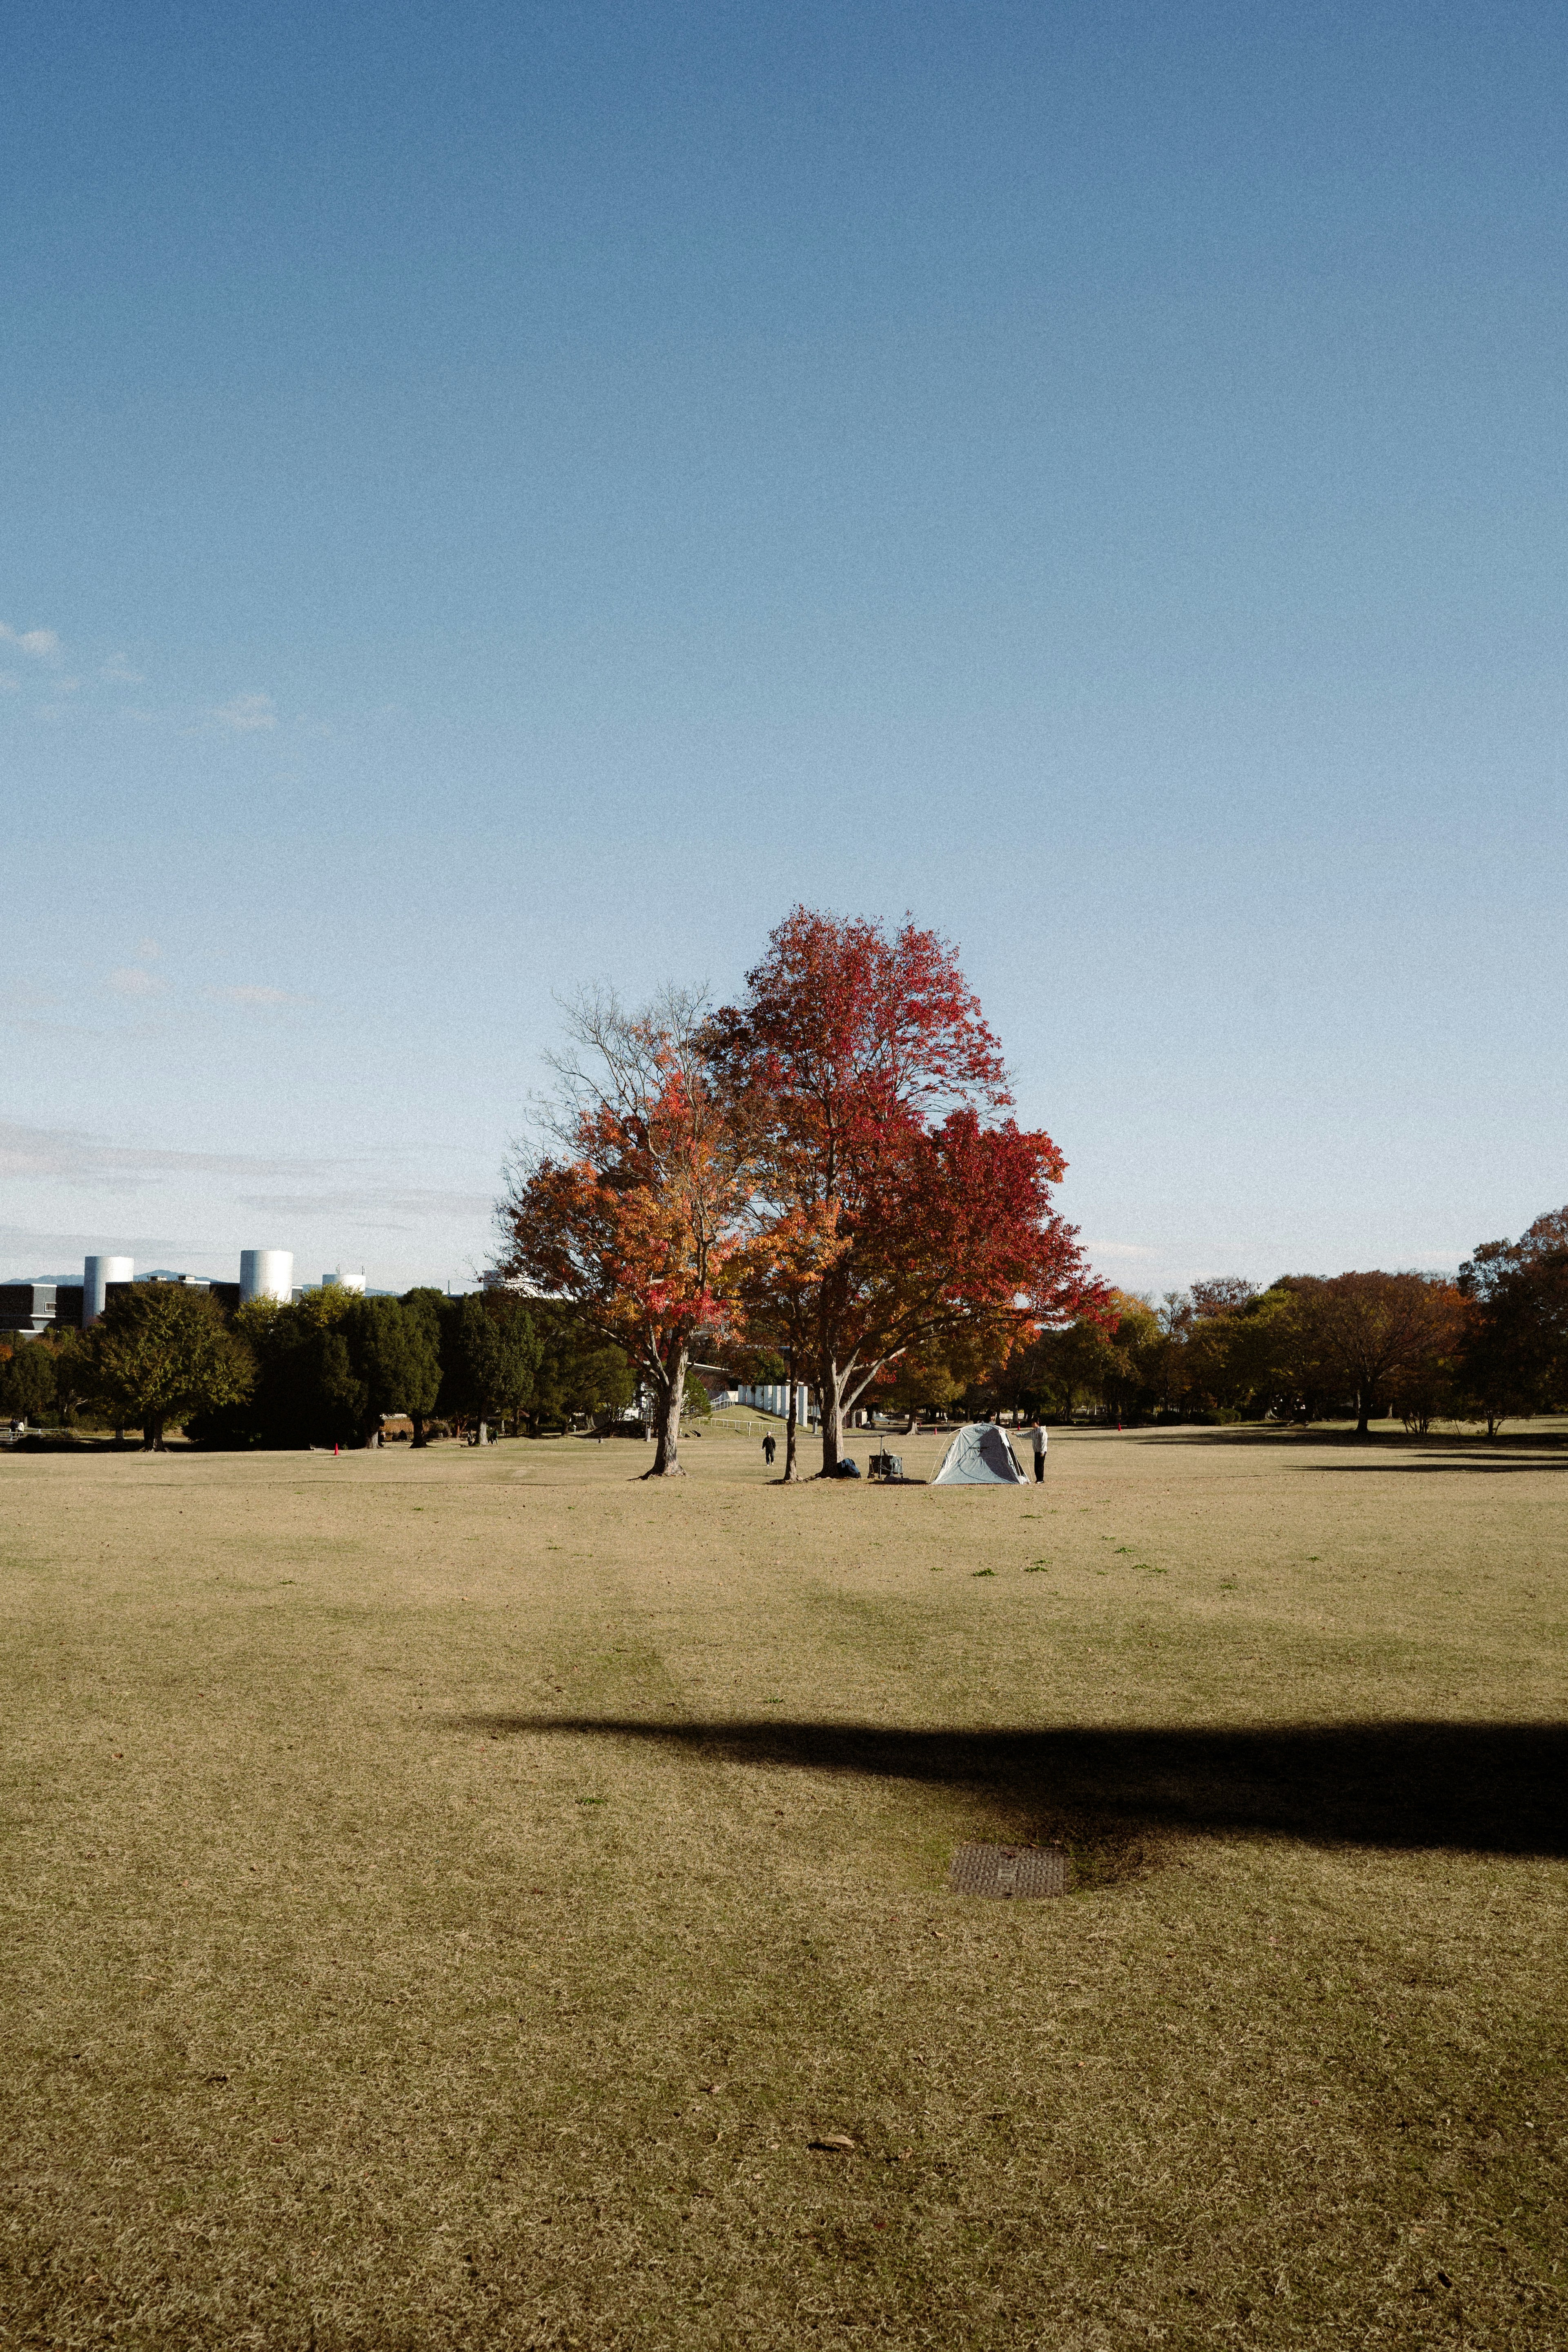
{"x":28,"y":1308}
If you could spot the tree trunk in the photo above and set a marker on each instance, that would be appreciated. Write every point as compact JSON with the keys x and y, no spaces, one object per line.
{"x":666,"y":1424}
{"x":419,"y":1436}
{"x":1363,"y":1410}
{"x":152,"y":1437}
{"x":831,"y":1403}
{"x":790,"y":1473}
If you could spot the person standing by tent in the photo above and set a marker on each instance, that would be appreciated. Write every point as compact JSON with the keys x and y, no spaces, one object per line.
{"x":1040,"y":1443}
{"x":769,"y":1447}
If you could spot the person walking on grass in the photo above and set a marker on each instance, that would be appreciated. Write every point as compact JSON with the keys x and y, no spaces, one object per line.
{"x":769,"y":1447}
{"x":1039,"y":1453}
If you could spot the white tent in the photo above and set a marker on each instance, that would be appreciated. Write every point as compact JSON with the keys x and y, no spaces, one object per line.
{"x":979,"y":1455}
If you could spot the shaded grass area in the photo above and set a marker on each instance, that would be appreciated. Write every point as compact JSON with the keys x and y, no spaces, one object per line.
{"x":1480,"y":1787}
{"x":447,"y":1896}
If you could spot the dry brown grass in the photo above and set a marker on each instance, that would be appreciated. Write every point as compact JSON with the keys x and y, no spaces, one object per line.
{"x":448,"y":1894}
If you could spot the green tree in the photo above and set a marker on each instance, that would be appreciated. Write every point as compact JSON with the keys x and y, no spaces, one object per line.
{"x":308,"y":1389}
{"x":1130,"y":1377}
{"x":601,"y":1382}
{"x":490,"y":1354}
{"x":27,"y":1386}
{"x":578,"y":1371}
{"x":330,"y":1364}
{"x":308,"y":1392}
{"x":1110,"y":1359}
{"x":161,"y":1352}
{"x":1071,"y":1362}
{"x":928,"y":1379}
{"x":340,"y":1392}
{"x":73,"y":1365}
{"x":753,"y":1367}
{"x":1239,"y":1352}
{"x":430,"y":1306}
{"x":395,"y":1355}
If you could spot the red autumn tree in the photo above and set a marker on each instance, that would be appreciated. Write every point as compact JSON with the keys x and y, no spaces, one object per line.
{"x":891,"y":1205}
{"x":636,"y":1217}
{"x":1378,"y":1338}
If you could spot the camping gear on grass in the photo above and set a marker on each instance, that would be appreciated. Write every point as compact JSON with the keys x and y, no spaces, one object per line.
{"x":979,"y":1455}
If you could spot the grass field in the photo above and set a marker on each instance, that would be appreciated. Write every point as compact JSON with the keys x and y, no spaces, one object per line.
{"x":447,"y":1895}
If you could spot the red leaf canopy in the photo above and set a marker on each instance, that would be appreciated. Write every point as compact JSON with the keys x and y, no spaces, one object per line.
{"x":862,"y":1068}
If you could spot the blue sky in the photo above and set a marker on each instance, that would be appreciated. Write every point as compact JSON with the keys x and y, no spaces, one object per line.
{"x":497,"y":498}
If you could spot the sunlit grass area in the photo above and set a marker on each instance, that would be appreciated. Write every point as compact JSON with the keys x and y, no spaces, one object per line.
{"x":469,"y":1898}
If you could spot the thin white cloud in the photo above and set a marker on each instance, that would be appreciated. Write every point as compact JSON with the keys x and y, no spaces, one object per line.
{"x":51,"y":1252}
{"x":133,"y":979}
{"x":75,"y":1158}
{"x":42,"y":643}
{"x":246,"y":995}
{"x":149,"y":950}
{"x":246,"y":714}
{"x":384,"y":1212}
{"x":9,"y":682}
{"x":119,"y":672}
{"x":1119,"y":1249}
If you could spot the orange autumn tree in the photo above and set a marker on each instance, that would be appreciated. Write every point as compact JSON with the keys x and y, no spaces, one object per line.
{"x":634,"y":1218}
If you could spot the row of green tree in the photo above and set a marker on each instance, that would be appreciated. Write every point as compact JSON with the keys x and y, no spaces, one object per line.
{"x":324,"y":1370}
{"x":1490,"y":1346}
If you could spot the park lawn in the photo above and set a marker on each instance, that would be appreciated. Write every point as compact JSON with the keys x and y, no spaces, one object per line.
{"x":448,"y":1894}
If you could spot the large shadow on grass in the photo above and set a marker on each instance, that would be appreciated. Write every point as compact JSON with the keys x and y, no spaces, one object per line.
{"x":1526,"y":1450}
{"x":1493,"y":1788}
{"x":1448,"y":1467}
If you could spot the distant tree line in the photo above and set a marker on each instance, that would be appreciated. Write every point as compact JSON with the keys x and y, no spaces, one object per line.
{"x":1490,"y":1346}
{"x":324,"y":1370}
{"x":328,"y":1368}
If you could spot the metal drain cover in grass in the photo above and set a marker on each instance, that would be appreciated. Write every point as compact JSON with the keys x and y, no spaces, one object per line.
{"x":1009,"y":1871}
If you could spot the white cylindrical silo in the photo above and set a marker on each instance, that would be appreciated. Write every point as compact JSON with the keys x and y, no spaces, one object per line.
{"x":96,"y":1273}
{"x":266,"y":1274}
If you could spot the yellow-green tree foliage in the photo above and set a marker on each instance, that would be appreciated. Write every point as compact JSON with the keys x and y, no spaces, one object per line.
{"x":160,"y":1352}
